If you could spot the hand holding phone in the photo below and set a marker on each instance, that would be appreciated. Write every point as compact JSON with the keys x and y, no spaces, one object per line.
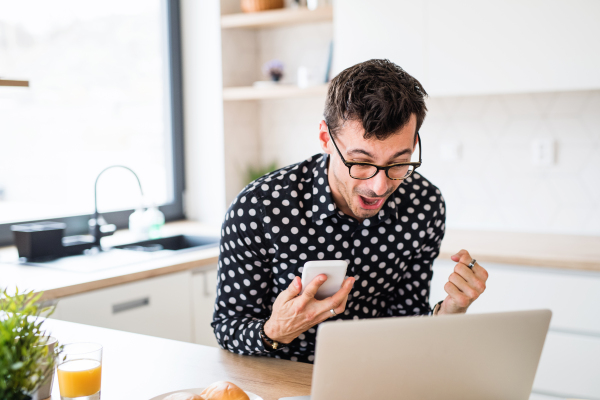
{"x":293,"y":313}
{"x":335,"y":270}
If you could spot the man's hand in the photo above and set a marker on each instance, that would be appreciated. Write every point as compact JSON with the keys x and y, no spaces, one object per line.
{"x":293,"y":314}
{"x":464,"y":285}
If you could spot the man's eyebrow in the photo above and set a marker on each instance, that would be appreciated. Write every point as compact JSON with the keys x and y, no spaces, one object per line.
{"x":360,"y":151}
{"x":366,"y":153}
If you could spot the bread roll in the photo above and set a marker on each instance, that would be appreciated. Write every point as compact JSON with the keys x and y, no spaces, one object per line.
{"x":224,"y":390}
{"x":184,"y":396}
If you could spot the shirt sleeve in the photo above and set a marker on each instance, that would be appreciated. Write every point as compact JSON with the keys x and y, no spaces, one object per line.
{"x":244,"y":283}
{"x":413,"y":295}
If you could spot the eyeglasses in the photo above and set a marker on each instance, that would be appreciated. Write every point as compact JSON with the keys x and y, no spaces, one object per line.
{"x":363,"y":171}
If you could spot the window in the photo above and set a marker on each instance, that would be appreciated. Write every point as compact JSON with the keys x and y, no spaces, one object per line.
{"x":104,"y":89}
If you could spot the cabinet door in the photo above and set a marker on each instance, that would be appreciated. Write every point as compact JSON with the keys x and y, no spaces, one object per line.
{"x":503,"y":46}
{"x":569,"y":367}
{"x":204,"y":284}
{"x":158,"y":306}
{"x":392,"y":29}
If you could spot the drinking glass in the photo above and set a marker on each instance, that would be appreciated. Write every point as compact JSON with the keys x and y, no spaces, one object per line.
{"x":79,"y":371}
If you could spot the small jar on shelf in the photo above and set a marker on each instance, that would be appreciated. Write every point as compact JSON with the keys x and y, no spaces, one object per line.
{"x":249,"y":6}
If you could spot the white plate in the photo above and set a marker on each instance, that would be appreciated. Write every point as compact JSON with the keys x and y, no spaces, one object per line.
{"x":199,"y":391}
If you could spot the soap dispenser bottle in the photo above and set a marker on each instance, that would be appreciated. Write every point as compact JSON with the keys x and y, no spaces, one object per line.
{"x":155,"y":220}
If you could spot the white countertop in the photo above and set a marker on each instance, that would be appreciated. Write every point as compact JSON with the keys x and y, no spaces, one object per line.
{"x":57,"y":283}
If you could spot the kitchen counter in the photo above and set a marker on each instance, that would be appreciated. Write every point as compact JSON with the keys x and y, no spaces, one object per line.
{"x":535,"y":249}
{"x":56,"y":283}
{"x":141,"y":367}
{"x":541,"y":250}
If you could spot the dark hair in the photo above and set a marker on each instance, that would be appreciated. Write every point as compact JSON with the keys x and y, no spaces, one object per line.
{"x":377,"y":93}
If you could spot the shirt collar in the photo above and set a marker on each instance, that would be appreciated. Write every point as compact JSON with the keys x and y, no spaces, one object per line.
{"x":323,"y":205}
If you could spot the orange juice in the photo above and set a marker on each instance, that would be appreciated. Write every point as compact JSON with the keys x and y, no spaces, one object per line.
{"x":79,"y":378}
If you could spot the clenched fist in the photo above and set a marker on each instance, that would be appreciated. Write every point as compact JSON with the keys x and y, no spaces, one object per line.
{"x":464,"y":285}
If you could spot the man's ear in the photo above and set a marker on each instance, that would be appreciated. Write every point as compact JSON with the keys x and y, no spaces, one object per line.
{"x":324,"y":137}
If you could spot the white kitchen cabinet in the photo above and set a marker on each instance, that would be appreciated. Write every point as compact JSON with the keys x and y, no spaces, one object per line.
{"x":393,"y":29}
{"x":570,"y":362}
{"x":159,"y":306}
{"x":473,"y":47}
{"x":569,"y":367}
{"x":204,"y":285}
{"x":505,"y":46}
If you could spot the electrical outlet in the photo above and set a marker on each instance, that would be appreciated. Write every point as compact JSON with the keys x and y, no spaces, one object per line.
{"x":450,"y":151}
{"x":543,"y":152}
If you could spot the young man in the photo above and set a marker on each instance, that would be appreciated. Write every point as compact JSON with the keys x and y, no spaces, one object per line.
{"x":361,"y":201}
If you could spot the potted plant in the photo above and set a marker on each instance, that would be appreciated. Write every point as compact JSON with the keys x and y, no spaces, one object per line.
{"x":253,"y":173}
{"x":26,"y":362}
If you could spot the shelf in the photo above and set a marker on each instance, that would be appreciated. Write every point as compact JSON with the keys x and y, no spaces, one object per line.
{"x":275,"y":92}
{"x":11,"y":82}
{"x":284,"y":16}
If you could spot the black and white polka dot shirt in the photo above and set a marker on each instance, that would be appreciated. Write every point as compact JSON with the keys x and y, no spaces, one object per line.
{"x":288,"y":217}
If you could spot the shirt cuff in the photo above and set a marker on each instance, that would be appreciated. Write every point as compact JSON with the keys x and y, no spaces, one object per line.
{"x":258,"y":327}
{"x":436,"y":308}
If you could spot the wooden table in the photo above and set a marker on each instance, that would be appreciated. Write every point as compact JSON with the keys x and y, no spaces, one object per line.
{"x":141,"y":367}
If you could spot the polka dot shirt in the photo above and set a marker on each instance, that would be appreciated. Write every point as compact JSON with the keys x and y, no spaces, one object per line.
{"x":288,"y":217}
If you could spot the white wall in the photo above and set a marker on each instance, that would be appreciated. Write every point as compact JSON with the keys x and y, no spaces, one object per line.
{"x":494,"y":186}
{"x":203,"y":111}
{"x":290,"y":129}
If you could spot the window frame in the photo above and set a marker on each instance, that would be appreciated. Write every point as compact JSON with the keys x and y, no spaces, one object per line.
{"x":78,"y":224}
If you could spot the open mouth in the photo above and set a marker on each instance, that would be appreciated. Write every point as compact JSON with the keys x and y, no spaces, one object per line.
{"x":370,"y":203}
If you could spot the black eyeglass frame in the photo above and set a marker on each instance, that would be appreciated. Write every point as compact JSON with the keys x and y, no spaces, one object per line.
{"x":415,"y":164}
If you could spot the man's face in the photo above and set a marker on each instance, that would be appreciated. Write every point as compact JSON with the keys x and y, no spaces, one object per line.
{"x":364,"y":198}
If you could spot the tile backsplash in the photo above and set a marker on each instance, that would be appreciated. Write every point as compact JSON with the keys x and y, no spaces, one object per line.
{"x":493,"y":183}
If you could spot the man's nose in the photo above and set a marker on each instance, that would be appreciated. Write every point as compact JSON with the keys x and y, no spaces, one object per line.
{"x":379,"y":183}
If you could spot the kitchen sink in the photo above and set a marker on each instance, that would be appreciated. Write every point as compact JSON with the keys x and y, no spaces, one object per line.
{"x":128,"y":254}
{"x":178,"y":242}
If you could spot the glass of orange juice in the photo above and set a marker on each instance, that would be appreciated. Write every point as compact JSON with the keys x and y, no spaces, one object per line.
{"x":79,"y":371}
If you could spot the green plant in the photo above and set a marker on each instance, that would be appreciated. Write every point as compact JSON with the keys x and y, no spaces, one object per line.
{"x":25,"y":362}
{"x":253,"y":173}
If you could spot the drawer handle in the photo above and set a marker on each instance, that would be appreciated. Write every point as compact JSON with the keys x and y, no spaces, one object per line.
{"x":130,"y":305}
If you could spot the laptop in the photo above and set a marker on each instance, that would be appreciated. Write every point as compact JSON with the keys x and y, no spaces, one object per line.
{"x":450,"y":357}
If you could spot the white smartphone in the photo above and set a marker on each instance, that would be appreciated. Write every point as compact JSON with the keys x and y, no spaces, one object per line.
{"x":335,"y":271}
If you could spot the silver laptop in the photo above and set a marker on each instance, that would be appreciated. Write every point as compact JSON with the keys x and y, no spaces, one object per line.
{"x":457,"y":357}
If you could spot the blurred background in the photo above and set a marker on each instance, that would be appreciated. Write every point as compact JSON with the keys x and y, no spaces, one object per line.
{"x":201,"y":97}
{"x":512,"y":136}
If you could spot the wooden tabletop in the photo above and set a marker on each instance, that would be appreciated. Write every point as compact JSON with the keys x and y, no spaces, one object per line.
{"x":141,"y":367}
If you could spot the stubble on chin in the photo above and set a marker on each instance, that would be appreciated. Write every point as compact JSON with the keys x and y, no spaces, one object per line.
{"x":362,"y":213}
{"x":354,"y":207}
